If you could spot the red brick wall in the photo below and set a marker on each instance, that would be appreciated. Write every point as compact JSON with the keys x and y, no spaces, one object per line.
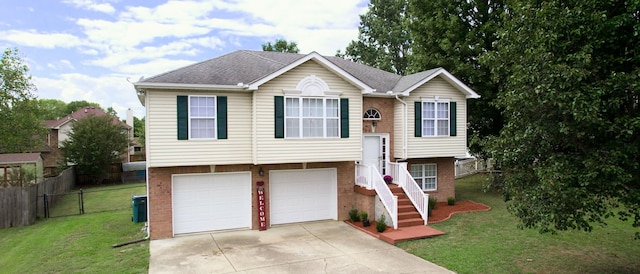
{"x":446,"y":176}
{"x":159,"y":196}
{"x":385,"y":125}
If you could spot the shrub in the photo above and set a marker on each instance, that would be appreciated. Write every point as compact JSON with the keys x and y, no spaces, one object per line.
{"x":432,"y":205}
{"x":364,"y":215}
{"x":381,"y":224}
{"x":451,"y":201}
{"x":353,"y":215}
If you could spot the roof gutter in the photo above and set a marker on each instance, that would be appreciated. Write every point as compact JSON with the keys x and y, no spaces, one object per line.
{"x":142,"y":86}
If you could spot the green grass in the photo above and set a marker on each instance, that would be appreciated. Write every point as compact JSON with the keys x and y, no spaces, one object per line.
{"x":490,"y":242}
{"x":79,"y":244}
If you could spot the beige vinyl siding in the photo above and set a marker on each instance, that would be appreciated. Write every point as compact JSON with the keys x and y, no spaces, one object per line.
{"x":444,"y":146}
{"x":398,"y":129}
{"x":272,"y":150}
{"x":164,"y":148}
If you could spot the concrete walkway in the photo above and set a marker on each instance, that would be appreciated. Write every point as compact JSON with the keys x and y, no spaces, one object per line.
{"x":317,"y":247}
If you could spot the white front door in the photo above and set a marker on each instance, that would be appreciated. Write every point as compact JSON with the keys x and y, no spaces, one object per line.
{"x":374,"y":151}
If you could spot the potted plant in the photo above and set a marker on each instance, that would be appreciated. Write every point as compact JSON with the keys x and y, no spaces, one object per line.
{"x":387,"y":179}
{"x":364,"y":216}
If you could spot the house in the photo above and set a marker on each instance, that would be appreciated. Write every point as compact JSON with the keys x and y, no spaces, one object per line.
{"x":254,"y":139}
{"x":58,"y":133}
{"x":19,"y":168}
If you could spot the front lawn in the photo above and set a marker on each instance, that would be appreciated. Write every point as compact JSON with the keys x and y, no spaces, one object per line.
{"x":79,"y":244}
{"x":490,"y":242}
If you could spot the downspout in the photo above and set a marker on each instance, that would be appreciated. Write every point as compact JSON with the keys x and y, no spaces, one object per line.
{"x":405,"y":123}
{"x":254,"y":132}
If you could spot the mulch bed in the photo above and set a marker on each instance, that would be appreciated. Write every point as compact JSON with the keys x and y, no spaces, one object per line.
{"x":443,"y":212}
{"x":440,"y":213}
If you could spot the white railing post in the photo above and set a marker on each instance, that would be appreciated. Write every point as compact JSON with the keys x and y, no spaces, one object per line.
{"x":426,"y":209}
{"x":394,"y":216}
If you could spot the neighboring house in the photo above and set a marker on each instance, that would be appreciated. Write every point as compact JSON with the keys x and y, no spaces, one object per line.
{"x":20,"y":168}
{"x":59,"y":132}
{"x":304,"y":128}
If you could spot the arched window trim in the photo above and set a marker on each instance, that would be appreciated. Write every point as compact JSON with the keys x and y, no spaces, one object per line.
{"x":372,"y":114}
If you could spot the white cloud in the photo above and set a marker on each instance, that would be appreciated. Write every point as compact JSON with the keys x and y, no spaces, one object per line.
{"x":61,"y":65}
{"x":91,"y":5}
{"x":32,"y":38}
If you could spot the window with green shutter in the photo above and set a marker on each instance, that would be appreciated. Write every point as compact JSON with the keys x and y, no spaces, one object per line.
{"x":435,"y":118}
{"x":202,"y":117}
{"x":311,"y":117}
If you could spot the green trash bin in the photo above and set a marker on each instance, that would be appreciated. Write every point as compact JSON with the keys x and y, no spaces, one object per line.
{"x":139,"y":208}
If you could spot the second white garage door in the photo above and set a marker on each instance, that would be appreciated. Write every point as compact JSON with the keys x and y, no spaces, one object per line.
{"x":206,"y":202}
{"x":303,"y":195}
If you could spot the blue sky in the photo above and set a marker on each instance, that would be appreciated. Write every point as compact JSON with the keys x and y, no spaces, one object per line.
{"x":87,"y":49}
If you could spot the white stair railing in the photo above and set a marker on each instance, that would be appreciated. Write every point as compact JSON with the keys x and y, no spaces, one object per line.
{"x":369,"y":175}
{"x":403,"y":178}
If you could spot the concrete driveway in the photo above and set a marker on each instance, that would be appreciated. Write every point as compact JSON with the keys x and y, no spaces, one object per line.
{"x":317,"y":247}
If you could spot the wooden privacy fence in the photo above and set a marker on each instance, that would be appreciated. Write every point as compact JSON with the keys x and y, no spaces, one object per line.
{"x":19,"y":206}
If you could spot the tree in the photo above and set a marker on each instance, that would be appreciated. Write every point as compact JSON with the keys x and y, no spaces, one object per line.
{"x":95,"y":143}
{"x":138,"y":130}
{"x":570,"y":149}
{"x":52,"y":109}
{"x":281,"y":45}
{"x":76,"y":105}
{"x":20,"y":127}
{"x":384,"y":41}
{"x":112,"y":112}
{"x":454,"y":34}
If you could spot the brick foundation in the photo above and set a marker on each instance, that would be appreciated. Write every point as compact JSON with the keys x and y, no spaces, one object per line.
{"x":159,"y":196}
{"x":446,"y":176}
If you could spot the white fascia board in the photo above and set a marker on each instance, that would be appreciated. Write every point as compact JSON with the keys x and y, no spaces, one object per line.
{"x":141,"y":86}
{"x":449,"y":78}
{"x":324,"y":62}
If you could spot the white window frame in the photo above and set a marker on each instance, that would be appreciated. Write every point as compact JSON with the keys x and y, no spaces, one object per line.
{"x":437,"y":117}
{"x":422,"y":176}
{"x":302,"y":116}
{"x":214,"y":118}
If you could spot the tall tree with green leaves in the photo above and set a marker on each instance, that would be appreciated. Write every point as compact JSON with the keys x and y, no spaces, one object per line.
{"x":454,"y":34}
{"x":52,"y":109}
{"x":384,"y":41}
{"x":21,"y":127}
{"x":281,"y":45}
{"x":95,"y":143}
{"x":76,"y":105}
{"x":139,"y":130}
{"x":570,"y":150}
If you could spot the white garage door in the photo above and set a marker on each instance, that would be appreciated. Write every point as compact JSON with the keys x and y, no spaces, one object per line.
{"x":303,"y":195}
{"x":205,"y":202}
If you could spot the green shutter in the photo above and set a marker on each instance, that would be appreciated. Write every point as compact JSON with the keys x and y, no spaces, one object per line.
{"x":452,"y":118}
{"x":418,"y":119}
{"x":183,"y":117}
{"x":222,"y":116}
{"x":279,"y":116}
{"x":344,"y":117}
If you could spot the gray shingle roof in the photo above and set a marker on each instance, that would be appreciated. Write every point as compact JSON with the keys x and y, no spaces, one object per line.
{"x":247,"y":67}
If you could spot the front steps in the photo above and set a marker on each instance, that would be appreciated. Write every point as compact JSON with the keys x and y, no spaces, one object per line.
{"x":407,"y":213}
